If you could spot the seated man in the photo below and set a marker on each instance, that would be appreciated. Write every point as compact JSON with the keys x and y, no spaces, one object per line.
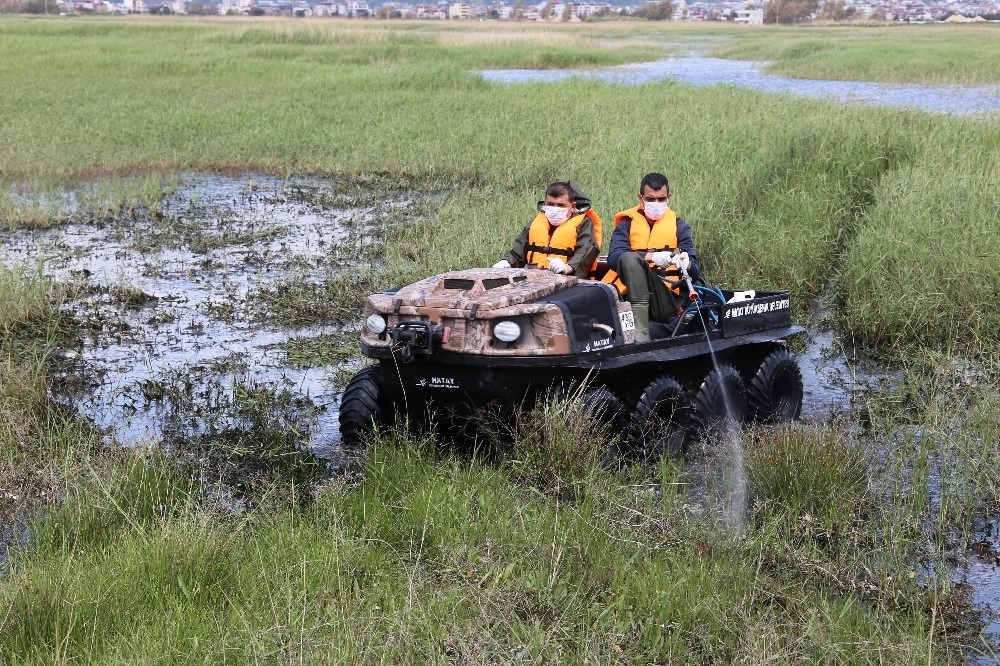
{"x":649,"y":247}
{"x":564,"y":237}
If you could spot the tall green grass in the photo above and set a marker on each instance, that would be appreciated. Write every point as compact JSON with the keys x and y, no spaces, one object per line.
{"x":899,"y":53}
{"x":41,"y":446}
{"x":428,"y":559}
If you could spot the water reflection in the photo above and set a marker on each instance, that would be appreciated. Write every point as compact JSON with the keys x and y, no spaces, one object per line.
{"x":697,"y":70}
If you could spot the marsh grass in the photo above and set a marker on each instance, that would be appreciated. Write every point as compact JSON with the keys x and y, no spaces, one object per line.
{"x":327,"y":349}
{"x":107,"y":198}
{"x":336,"y":300}
{"x":557,"y":445}
{"x":26,"y":301}
{"x":427,"y":557}
{"x":809,"y":474}
{"x":941,"y":427}
{"x":42,"y":447}
{"x":899,"y":53}
{"x":782,"y":193}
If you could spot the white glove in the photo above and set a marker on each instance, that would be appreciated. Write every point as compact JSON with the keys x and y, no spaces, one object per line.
{"x":557,"y":265}
{"x":503,"y":263}
{"x":662,"y":259}
{"x":681,"y":261}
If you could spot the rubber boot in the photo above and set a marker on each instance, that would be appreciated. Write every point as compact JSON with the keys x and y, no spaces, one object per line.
{"x":640,"y":313}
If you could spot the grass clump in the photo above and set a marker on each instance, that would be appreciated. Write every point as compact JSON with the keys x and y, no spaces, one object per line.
{"x":335,"y":300}
{"x":253,"y":446}
{"x":558,"y":445}
{"x":26,"y":300}
{"x":41,"y":446}
{"x":326,"y":349}
{"x":808,"y":472}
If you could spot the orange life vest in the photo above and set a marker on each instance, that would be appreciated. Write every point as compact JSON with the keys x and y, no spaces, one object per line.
{"x":546,"y":241}
{"x":643,"y":238}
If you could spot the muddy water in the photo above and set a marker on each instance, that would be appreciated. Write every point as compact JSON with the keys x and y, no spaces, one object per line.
{"x":979,"y":570}
{"x":698,"y":70}
{"x":167,"y":304}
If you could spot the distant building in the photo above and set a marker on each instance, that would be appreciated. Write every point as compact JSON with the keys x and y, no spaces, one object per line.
{"x":750,"y":16}
{"x":433,"y":12}
{"x":358,"y":9}
{"x":585,"y":9}
{"x":459,"y":10}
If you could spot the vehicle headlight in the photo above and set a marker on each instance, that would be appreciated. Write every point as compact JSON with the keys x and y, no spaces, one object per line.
{"x":376,"y":323}
{"x":507,"y":331}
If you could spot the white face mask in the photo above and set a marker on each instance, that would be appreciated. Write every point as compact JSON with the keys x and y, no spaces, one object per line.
{"x":556,"y":215}
{"x":654,"y":210}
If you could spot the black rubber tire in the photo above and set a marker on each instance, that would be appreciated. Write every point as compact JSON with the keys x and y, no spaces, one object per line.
{"x":361,"y":406}
{"x":660,"y":420}
{"x":606,"y":408}
{"x":775,"y":391}
{"x":721,"y":399}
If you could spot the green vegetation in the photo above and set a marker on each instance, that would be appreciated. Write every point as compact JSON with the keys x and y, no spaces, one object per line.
{"x":903,"y":53}
{"x":429,"y":557}
{"x":781,"y":191}
{"x":233,"y":550}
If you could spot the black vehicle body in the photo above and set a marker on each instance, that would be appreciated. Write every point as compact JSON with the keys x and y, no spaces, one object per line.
{"x":441,"y":346}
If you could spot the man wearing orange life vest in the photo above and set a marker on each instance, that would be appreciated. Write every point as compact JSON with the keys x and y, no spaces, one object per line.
{"x":649,"y":247}
{"x":564,"y":237}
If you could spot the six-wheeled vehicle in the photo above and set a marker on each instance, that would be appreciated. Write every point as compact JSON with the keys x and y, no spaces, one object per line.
{"x":469,"y":338}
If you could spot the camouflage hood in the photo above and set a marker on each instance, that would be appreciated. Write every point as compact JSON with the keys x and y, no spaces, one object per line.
{"x":582,"y":201}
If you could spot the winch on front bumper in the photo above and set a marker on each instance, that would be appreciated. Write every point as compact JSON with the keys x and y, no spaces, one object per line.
{"x":418,"y":339}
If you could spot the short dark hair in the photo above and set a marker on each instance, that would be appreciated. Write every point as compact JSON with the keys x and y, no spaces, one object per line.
{"x":559,"y":189}
{"x":654,"y":181}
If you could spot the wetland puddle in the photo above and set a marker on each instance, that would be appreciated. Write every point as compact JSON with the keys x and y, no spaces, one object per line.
{"x":698,"y":70}
{"x":172,"y":308}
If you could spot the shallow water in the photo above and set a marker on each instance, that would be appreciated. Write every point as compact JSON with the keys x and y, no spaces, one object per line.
{"x":698,"y":70}
{"x":835,"y":377}
{"x":192,"y":325}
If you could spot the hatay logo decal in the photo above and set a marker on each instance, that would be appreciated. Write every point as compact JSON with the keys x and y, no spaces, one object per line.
{"x":438,"y":383}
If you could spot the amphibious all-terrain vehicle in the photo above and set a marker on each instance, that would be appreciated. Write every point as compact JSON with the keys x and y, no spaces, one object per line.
{"x":473,"y":337}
